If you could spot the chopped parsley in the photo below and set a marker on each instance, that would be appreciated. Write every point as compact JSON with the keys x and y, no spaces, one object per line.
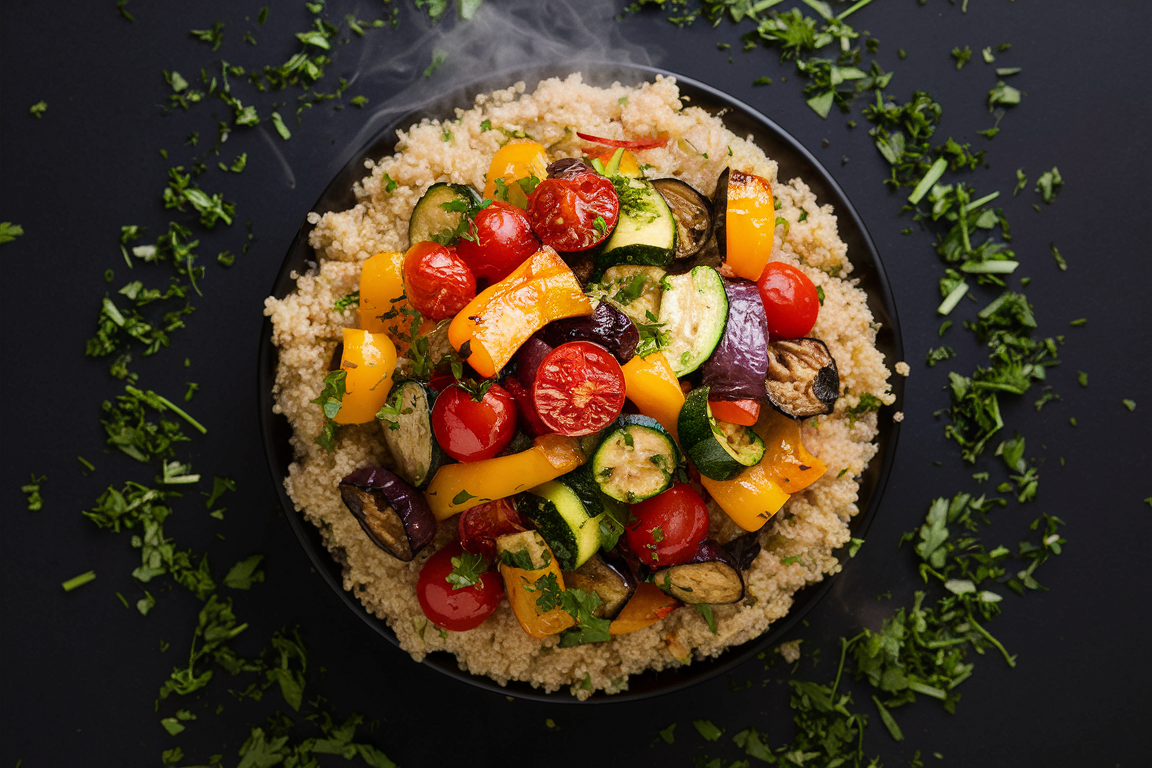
{"x":32,"y":489}
{"x":78,"y":581}
{"x":9,"y":231}
{"x":38,"y":109}
{"x":466,"y":570}
{"x":330,"y":400}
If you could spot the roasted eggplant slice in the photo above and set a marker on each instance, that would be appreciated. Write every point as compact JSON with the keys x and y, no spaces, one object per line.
{"x":608,"y":577}
{"x":607,"y":326}
{"x":567,"y":167}
{"x":392,"y":513}
{"x":528,"y":358}
{"x":407,"y":425}
{"x":693,"y":214}
{"x":802,"y":379}
{"x":738,"y":367}
{"x":744,"y":549}
{"x":711,"y":576}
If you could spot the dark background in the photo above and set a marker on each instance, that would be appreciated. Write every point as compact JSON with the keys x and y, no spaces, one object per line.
{"x":80,"y":673}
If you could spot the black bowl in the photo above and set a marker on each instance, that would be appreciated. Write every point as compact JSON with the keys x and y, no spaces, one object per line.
{"x":793,"y":160}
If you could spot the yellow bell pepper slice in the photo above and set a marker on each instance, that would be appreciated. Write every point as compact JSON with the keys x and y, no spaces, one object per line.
{"x":512,"y":162}
{"x":369,"y":360}
{"x":750,"y":224}
{"x":751,"y":498}
{"x":504,"y":315}
{"x":652,"y":386}
{"x":785,"y":456}
{"x":520,"y":584}
{"x":383,"y":306}
{"x":457,"y":487}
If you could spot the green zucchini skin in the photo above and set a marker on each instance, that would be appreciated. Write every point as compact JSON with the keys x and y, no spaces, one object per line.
{"x":563,"y":520}
{"x":645,"y":232}
{"x":708,"y":446}
{"x":430,"y":221}
{"x":637,"y":471}
{"x":409,"y":434}
{"x":694,"y":311}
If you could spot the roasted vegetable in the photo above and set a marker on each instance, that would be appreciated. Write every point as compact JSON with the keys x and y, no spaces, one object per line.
{"x":528,"y":358}
{"x":607,"y":576}
{"x":567,"y":166}
{"x":719,"y":450}
{"x":636,"y":460}
{"x":711,"y":577}
{"x":634,"y":290}
{"x":802,"y":379}
{"x":751,"y":498}
{"x":392,"y":513}
{"x":652,"y":386}
{"x":745,"y":222}
{"x":560,"y":515}
{"x":744,"y":550}
{"x":693,"y":214}
{"x":737,"y":368}
{"x":515,"y":162}
{"x":786,"y":459}
{"x":647,"y":606}
{"x":693,"y":310}
{"x":407,"y":424}
{"x":526,"y":585}
{"x":645,"y":231}
{"x":439,"y":214}
{"x":369,"y":360}
{"x":606,"y":326}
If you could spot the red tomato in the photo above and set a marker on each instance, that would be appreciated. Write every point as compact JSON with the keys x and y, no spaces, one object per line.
{"x":504,"y":240}
{"x":579,"y":389}
{"x":437,"y":281}
{"x":790,"y":300}
{"x":456,"y":609}
{"x":481,"y":525}
{"x":574,"y":213}
{"x":528,"y":419}
{"x":668,"y":527}
{"x":471,"y":430}
{"x":743,"y":412}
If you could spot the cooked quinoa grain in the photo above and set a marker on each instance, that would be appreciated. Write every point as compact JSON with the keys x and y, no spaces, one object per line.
{"x":307,"y":330}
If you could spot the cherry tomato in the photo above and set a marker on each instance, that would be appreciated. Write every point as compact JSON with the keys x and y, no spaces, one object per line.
{"x":437,"y":281}
{"x":481,"y":525}
{"x":504,"y":240}
{"x":574,"y":213}
{"x":668,"y":527}
{"x":579,"y":389}
{"x":471,"y":430}
{"x":527,"y":417}
{"x":790,"y":300}
{"x":638,"y":144}
{"x":456,"y":609}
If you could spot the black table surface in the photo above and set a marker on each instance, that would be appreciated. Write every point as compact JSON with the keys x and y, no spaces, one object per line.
{"x":80,"y":673}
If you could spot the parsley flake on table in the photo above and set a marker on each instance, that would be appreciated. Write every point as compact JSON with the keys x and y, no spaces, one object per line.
{"x":32,"y":489}
{"x":9,"y":231}
{"x":78,"y":581}
{"x":38,"y":109}
{"x":244,"y":574}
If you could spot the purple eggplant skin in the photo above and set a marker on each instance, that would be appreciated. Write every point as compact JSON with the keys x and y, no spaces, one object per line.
{"x":607,"y":326}
{"x":566,"y":167}
{"x":393,"y":514}
{"x":738,"y":366}
{"x":744,"y":549}
{"x":528,"y":358}
{"x":712,"y":576}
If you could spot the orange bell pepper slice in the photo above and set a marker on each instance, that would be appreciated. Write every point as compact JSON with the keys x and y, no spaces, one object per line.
{"x":646,"y":607}
{"x":369,"y":360}
{"x":519,"y":585}
{"x":751,"y":498}
{"x":652,"y":386}
{"x":785,"y":456}
{"x":457,"y":487}
{"x":504,"y":315}
{"x":743,"y":412}
{"x":512,"y":162}
{"x":750,"y":224}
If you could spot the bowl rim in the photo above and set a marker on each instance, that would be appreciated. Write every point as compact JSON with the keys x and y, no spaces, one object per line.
{"x":868,"y":269}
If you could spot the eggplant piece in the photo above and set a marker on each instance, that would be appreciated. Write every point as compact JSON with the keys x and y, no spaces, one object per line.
{"x":392,"y":513}
{"x":528,"y":358}
{"x":608,"y":577}
{"x":567,"y":167}
{"x":711,"y":576}
{"x":738,"y":367}
{"x":744,"y":549}
{"x":695,"y":221}
{"x":607,"y":326}
{"x":802,"y":378}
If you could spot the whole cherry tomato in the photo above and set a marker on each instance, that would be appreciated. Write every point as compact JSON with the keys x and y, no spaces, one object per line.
{"x":470,"y":428}
{"x":457,"y":609}
{"x":437,"y":281}
{"x":481,"y":525}
{"x":790,"y":300}
{"x":504,"y":240}
{"x":574,"y":213}
{"x":579,"y":389}
{"x":668,"y":527}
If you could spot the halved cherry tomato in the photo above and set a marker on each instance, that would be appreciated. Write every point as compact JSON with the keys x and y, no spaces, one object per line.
{"x":504,"y":240}
{"x":574,"y":213}
{"x":579,"y":389}
{"x":635,"y":144}
{"x":742,"y":412}
{"x":481,"y":525}
{"x":528,"y":419}
{"x":438,"y":282}
{"x":668,"y":527}
{"x":472,"y":430}
{"x":791,"y":302}
{"x":456,"y":609}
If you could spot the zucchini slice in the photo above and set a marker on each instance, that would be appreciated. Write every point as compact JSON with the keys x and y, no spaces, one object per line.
{"x":634,"y":290}
{"x":636,"y":460}
{"x":693,"y":309}
{"x":719,"y":449}
{"x":407,"y":424}
{"x":645,"y":231}
{"x":439,"y":214}
{"x":562,"y":519}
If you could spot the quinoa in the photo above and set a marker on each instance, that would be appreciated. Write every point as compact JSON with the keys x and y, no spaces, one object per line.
{"x":307,"y":328}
